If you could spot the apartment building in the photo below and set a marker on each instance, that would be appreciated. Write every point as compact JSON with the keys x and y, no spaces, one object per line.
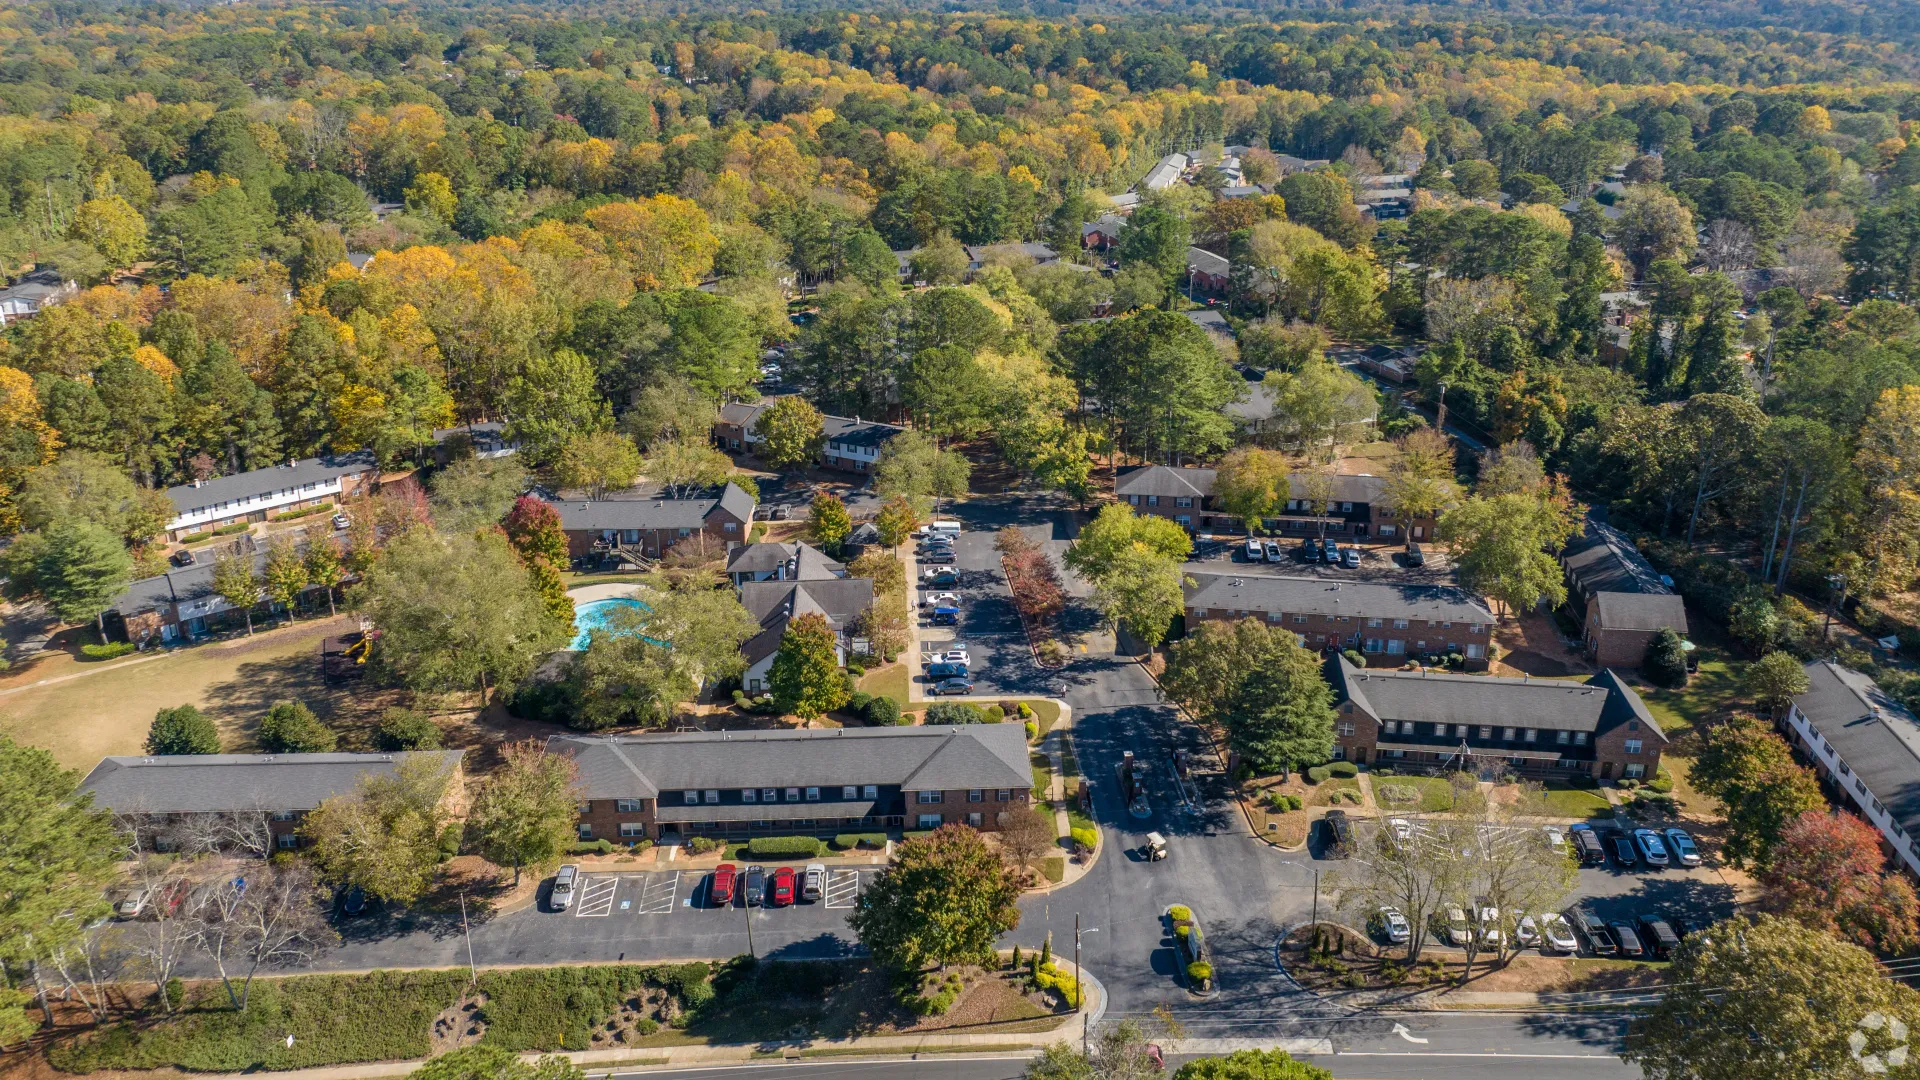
{"x":1387,"y":624}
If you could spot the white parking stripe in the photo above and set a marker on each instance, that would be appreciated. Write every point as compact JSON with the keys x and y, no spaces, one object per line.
{"x":596,"y":897}
{"x":657,"y":893}
{"x":843,"y":888}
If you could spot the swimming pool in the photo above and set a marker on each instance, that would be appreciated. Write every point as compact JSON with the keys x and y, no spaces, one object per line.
{"x":596,"y":615}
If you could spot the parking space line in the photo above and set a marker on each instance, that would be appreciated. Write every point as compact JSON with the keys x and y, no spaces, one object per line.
{"x":596,"y":897}
{"x":657,"y":893}
{"x":843,"y":888}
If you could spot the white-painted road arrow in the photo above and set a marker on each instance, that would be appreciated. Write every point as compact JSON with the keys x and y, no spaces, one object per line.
{"x":1401,"y":1030}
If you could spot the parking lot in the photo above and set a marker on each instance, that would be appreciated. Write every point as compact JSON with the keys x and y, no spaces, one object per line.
{"x":999,"y":662}
{"x":664,"y":894}
{"x":1612,"y":892}
{"x":1379,"y":562}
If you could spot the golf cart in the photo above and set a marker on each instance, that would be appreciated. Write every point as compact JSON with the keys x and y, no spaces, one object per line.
{"x":1156,"y":848}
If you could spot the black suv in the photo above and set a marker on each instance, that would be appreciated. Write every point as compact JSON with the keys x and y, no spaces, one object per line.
{"x":1415,"y":556}
{"x":1339,"y":834}
{"x":1659,"y":936}
{"x":756,"y":885}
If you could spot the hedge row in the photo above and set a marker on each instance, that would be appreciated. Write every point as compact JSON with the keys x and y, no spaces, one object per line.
{"x":783,"y":847}
{"x":558,"y":1008}
{"x":848,"y":840}
{"x":307,"y":511}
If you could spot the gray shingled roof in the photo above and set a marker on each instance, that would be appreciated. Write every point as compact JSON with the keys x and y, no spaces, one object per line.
{"x":1207,"y":262}
{"x":1321,"y":596}
{"x":590,"y":515}
{"x":1602,"y":559}
{"x":1596,"y":705}
{"x":948,"y":758}
{"x":1164,"y":480}
{"x":187,"y":498}
{"x":774,"y":603}
{"x":217,"y":783}
{"x":1877,"y":737}
{"x":1640,"y":611}
{"x":810,"y":563}
{"x":858,"y":432}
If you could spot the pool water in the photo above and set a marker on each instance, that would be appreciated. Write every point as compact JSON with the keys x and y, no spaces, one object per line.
{"x":596,"y":616}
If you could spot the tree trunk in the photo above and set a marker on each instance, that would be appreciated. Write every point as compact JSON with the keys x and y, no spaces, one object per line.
{"x":1699,"y":498}
{"x":249,"y":614}
{"x":1793,"y":531}
{"x":331,"y":611}
{"x":1773,"y":542}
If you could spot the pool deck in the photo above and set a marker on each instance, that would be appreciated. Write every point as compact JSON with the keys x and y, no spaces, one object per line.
{"x":587,"y":594}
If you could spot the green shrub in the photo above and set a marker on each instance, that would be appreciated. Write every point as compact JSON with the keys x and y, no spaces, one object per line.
{"x":182,"y":729}
{"x":954,"y":712}
{"x":1343,"y":768}
{"x":1180,"y":913}
{"x":229,"y":530}
{"x":647,"y":1026}
{"x":109,"y":651}
{"x":739,"y":696}
{"x":855,"y":669}
{"x":703,"y":845}
{"x":1318,"y":774}
{"x":883,"y":711}
{"x":784,"y":847}
{"x":1182,"y":930}
{"x":592,"y":847}
{"x":1048,"y":976}
{"x":559,"y":1008}
{"x":176,"y":992}
{"x":1199,"y":971}
{"x":858,"y":701}
{"x":1085,"y":838}
{"x":305,"y":511}
{"x":916,"y":834}
{"x":1295,"y":802}
{"x":847,"y":841}
{"x":404,"y":729}
{"x":291,"y":728}
{"x":1026,"y":711}
{"x":1033,"y":731}
{"x":996,"y":714}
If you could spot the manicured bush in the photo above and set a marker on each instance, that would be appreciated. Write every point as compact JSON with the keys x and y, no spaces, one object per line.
{"x":1180,"y":913}
{"x":182,"y":729}
{"x":1661,"y":784}
{"x":847,"y":841}
{"x":1033,"y":731}
{"x":404,"y":729}
{"x":108,"y":651}
{"x":1026,"y":711}
{"x":1666,"y":660}
{"x":1199,"y":971}
{"x":305,"y":511}
{"x":1086,"y":838}
{"x":1318,"y":774}
{"x":858,"y":701}
{"x":784,"y":847}
{"x":1354,"y":657}
{"x":1048,"y":976}
{"x":883,"y":711}
{"x":954,"y":712}
{"x":703,"y":845}
{"x":291,"y":728}
{"x":543,"y":702}
{"x":592,"y":847}
{"x":996,"y":714}
{"x":1343,"y":768}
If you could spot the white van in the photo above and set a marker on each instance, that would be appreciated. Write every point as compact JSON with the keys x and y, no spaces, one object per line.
{"x":563,"y":887}
{"x":942,"y":528}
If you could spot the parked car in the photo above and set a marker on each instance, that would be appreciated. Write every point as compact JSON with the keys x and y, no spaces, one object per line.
{"x":354,"y":902}
{"x":183,"y":557}
{"x":783,"y":886}
{"x":1555,"y":836}
{"x":942,"y":577}
{"x":1526,"y":932}
{"x":1400,"y":829}
{"x":945,"y":616}
{"x":1685,"y":851}
{"x":1415,"y":556}
{"x":1350,"y":558}
{"x":1653,"y":851}
{"x":1629,"y":940}
{"x":781,"y":513}
{"x":756,"y":887}
{"x":814,"y":882}
{"x":1397,"y":929}
{"x":133,"y":904}
{"x":1255,"y":550}
{"x":1556,"y":935}
{"x":1622,"y":845}
{"x":940,"y":671}
{"x":341,"y":521}
{"x":938,"y":557}
{"x":1339,"y":834}
{"x":1658,"y":935}
{"x":945,"y":599}
{"x":720,"y":887}
{"x":563,"y":880}
{"x":1688,"y":925}
{"x":1599,"y":939}
{"x":958,"y":655}
{"x":1329,"y":550}
{"x":951,"y":686}
{"x":1309,"y":550}
{"x":1490,"y":934}
{"x":1274,"y":554}
{"x":1586,"y":844}
{"x":1458,"y":932}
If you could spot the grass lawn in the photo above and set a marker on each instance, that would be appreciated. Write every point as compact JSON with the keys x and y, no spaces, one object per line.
{"x":1327,"y":791}
{"x":1042,"y":776}
{"x":1045,"y":713}
{"x":1078,"y":820}
{"x":1577,"y":803}
{"x":891,"y":681}
{"x":1710,"y":693}
{"x":1422,"y":794}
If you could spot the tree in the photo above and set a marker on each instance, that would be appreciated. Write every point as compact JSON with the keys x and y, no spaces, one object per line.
{"x":1653,"y":225}
{"x":669,"y":408}
{"x":913,"y":466}
{"x":1774,"y":681}
{"x":1752,"y":772}
{"x":77,"y":567}
{"x":1204,"y":669}
{"x":431,"y":195}
{"x":1251,"y":1065}
{"x":182,"y":729}
{"x":234,"y":582}
{"x":1505,"y":546}
{"x":1762,"y":996}
{"x":385,"y":837}
{"x":896,"y":521}
{"x":86,"y":486}
{"x":495,"y":1063}
{"x":325,"y":567}
{"x":940,"y":261}
{"x":1025,"y":835}
{"x":684,"y":464}
{"x":476,"y":493}
{"x":291,"y":728}
{"x":525,"y":813}
{"x":1475,"y":179}
{"x":404,"y":729}
{"x":1114,"y":530}
{"x":1666,"y":662}
{"x":552,"y":398}
{"x":1251,"y":483}
{"x":1141,"y":589}
{"x":828,"y":523}
{"x":456,"y":612}
{"x":599,"y":462}
{"x":268,"y":918}
{"x":1279,"y":714}
{"x":1721,"y":433}
{"x":1828,"y":873}
{"x":1420,"y":480}
{"x":1157,"y":238}
{"x":805,"y":678}
{"x":285,"y":574}
{"x":1318,"y":404}
{"x":112,"y":227}
{"x":1321,"y":200}
{"x":944,"y":899}
{"x":59,"y":855}
{"x":645,"y":659}
{"x":533,"y":528}
{"x":791,"y":432}
{"x":1889,"y":464}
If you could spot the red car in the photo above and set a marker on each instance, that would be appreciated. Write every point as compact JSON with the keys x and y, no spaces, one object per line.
{"x":721,"y":891}
{"x":783,"y":886}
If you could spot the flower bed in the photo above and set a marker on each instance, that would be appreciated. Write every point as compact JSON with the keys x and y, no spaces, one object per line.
{"x":1190,"y":946}
{"x":1037,"y":593}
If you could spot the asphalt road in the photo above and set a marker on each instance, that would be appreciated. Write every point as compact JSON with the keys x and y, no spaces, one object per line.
{"x":1244,"y":893}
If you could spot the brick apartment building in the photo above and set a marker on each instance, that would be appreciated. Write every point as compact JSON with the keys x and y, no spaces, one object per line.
{"x":1619,"y":600}
{"x":850,"y":443}
{"x":1424,"y":721}
{"x":251,"y":496}
{"x":648,"y":527}
{"x":175,"y":801}
{"x":1387,"y":624}
{"x":809,"y":782}
{"x":1865,"y":745}
{"x":1353,"y":512}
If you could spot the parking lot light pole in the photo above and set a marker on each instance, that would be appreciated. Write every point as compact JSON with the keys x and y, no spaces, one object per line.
{"x":1080,"y":979}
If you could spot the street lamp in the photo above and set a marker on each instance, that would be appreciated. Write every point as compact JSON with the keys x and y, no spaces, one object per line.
{"x":1838,"y":583}
{"x":1441,"y":422}
{"x":1080,"y":979}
